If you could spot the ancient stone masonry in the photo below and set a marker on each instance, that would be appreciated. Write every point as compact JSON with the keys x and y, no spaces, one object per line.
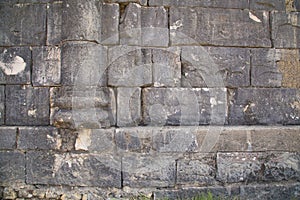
{"x":149,"y":99}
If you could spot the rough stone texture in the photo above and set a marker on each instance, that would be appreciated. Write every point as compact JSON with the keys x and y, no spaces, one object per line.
{"x":83,"y":64}
{"x":184,"y":106}
{"x":73,"y":169}
{"x":2,"y":104}
{"x":12,"y":165}
{"x":129,"y":106}
{"x":264,"y":106}
{"x":219,"y":27}
{"x":54,"y":23}
{"x":242,"y":4}
{"x":46,"y":66}
{"x":166,"y":67}
{"x":26,"y":27}
{"x":26,"y":105}
{"x":285,"y":29}
{"x":146,"y":26}
{"x":267,"y":5}
{"x":129,"y":67}
{"x":8,"y":137}
{"x":215,"y":66}
{"x":15,"y":64}
{"x":110,"y":24}
{"x":24,"y":1}
{"x":42,"y":138}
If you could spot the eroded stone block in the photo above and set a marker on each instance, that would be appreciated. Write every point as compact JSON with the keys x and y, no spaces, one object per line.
{"x":8,"y":136}
{"x":267,"y":5}
{"x":110,"y":23}
{"x":54,"y":23}
{"x":242,"y":4}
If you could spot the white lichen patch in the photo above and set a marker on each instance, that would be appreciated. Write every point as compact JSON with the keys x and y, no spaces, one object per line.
{"x":83,"y":140}
{"x":253,"y":17}
{"x":14,"y":67}
{"x":32,"y":113}
{"x":176,"y":25}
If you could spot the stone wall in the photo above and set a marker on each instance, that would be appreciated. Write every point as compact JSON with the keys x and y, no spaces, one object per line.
{"x":149,"y":99}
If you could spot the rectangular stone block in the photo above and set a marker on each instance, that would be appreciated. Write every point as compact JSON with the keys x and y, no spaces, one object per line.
{"x":129,"y":67}
{"x":73,"y":169}
{"x":46,"y":67}
{"x":129,"y":106}
{"x":241,"y":4}
{"x":110,"y":16}
{"x":285,"y":31}
{"x":2,"y":104}
{"x":15,"y":64}
{"x":54,"y":23}
{"x":23,"y":24}
{"x":41,"y":138}
{"x":232,"y":27}
{"x":26,"y":105}
{"x":215,"y":66}
{"x":267,"y":5}
{"x":264,"y":106}
{"x":12,"y":165}
{"x":8,"y":136}
{"x":184,"y":106}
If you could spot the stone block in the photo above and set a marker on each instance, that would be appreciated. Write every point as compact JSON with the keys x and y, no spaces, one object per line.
{"x":2,"y":104}
{"x":285,"y":31}
{"x":12,"y":165}
{"x":41,"y":138}
{"x":267,"y":5}
{"x":80,"y":20}
{"x":20,"y":2}
{"x":129,"y":106}
{"x":184,"y":106}
{"x":232,"y":27}
{"x":54,"y":23}
{"x":8,"y":136}
{"x":46,"y":66}
{"x":22,"y":24}
{"x":73,"y":169}
{"x":15,"y":64}
{"x":129,"y":67}
{"x":26,"y":105}
{"x":166,"y":67}
{"x":160,"y":171}
{"x":215,"y":66}
{"x":110,"y":23}
{"x":241,"y":4}
{"x":145,"y":26}
{"x":83,"y":64}
{"x":264,"y":106}
{"x":68,"y":138}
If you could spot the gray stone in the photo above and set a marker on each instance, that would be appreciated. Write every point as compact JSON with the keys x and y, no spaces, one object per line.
{"x":2,"y":104}
{"x":26,"y":105}
{"x":215,"y":66}
{"x":129,"y":106}
{"x":80,"y":20}
{"x":22,"y":24}
{"x":73,"y":169}
{"x":184,"y":106}
{"x":41,"y":138}
{"x":160,"y":171}
{"x":129,"y":67}
{"x":46,"y":66}
{"x":166,"y":67}
{"x":54,"y":23}
{"x":110,"y":24}
{"x":267,"y":5}
{"x":68,"y":139}
{"x":8,"y":136}
{"x":24,"y":1}
{"x":12,"y":165}
{"x":15,"y":64}
{"x":285,"y":31}
{"x":264,"y":106}
{"x":241,"y":4}
{"x":219,"y":27}
{"x":84,"y":64}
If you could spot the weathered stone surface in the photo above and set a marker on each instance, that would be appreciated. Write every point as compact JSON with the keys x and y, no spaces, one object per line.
{"x":23,"y":1}
{"x":8,"y":136}
{"x":219,"y":27}
{"x":80,"y":20}
{"x":26,"y":105}
{"x":196,"y":172}
{"x":68,"y":139}
{"x":9,"y":193}
{"x":142,"y":2}
{"x":73,"y":169}
{"x":202,"y":3}
{"x":54,"y":23}
{"x":12,"y":165}
{"x":264,"y":106}
{"x":2,"y":104}
{"x":110,"y":24}
{"x":285,"y":31}
{"x":129,"y":67}
{"x":129,"y":106}
{"x":267,"y":5}
{"x":159,"y":171}
{"x":83,"y":64}
{"x":215,"y":66}
{"x":292,"y":5}
{"x":166,"y":67}
{"x":41,"y":138}
{"x":22,"y":24}
{"x":146,"y":26}
{"x":15,"y":64}
{"x":46,"y":66}
{"x":184,"y":106}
